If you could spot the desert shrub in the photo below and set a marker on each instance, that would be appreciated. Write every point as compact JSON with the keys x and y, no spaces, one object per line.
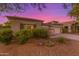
{"x":6,"y":36}
{"x":23,"y":35}
{"x":40,"y":33}
{"x":61,"y":40}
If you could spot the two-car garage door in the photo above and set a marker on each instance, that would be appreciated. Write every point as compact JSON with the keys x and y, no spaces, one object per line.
{"x":57,"y":30}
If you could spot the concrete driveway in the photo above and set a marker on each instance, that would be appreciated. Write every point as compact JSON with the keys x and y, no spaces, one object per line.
{"x":68,"y":36}
{"x":71,"y":36}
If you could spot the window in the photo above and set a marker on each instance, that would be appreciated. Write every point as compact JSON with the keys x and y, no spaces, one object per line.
{"x":34,"y":25}
{"x":22,"y":26}
{"x":28,"y":26}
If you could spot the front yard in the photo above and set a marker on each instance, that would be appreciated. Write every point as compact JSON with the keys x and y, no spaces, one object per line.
{"x":37,"y":42}
{"x":33,"y":48}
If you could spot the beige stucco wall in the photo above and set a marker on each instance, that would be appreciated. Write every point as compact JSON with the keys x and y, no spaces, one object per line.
{"x":45,"y":27}
{"x":15,"y":27}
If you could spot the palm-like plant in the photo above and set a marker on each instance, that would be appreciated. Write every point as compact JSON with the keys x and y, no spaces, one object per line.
{"x":75,"y":11}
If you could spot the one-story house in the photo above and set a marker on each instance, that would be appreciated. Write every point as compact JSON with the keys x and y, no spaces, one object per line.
{"x":24,"y":23}
{"x":54,"y":27}
{"x":29,"y":23}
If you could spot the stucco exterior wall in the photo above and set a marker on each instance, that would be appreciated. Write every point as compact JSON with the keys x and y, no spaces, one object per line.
{"x":15,"y":27}
{"x":45,"y":27}
{"x":69,"y":27}
{"x":16,"y":23}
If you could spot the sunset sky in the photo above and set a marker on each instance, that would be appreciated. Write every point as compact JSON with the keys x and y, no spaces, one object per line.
{"x":52,"y":12}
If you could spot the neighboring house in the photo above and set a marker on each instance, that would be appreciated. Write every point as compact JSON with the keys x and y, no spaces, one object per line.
{"x":24,"y":23}
{"x":67,"y":26}
{"x":71,"y":27}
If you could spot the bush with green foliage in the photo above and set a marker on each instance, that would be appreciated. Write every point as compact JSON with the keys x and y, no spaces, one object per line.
{"x":6,"y":36}
{"x":61,"y":40}
{"x":23,"y":35}
{"x":40,"y":33}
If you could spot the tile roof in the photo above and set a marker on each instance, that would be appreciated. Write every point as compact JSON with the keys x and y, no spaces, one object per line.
{"x":23,"y":18}
{"x":69,"y":22}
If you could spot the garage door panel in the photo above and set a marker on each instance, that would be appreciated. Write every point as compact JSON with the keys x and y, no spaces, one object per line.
{"x":57,"y":30}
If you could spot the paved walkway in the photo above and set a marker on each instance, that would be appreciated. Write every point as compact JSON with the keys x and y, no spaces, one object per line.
{"x":68,"y":36}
